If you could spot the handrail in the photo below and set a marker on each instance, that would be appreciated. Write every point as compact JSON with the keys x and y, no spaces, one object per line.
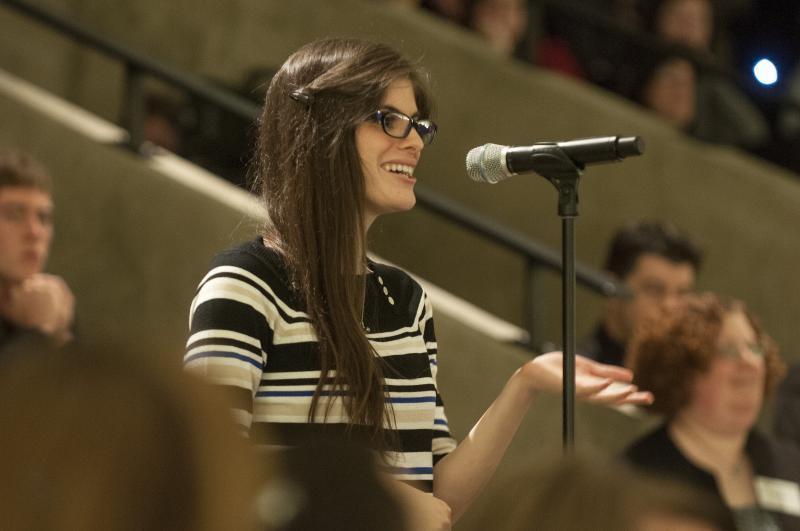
{"x":516,"y":241}
{"x":237,"y":105}
{"x":535,"y":254}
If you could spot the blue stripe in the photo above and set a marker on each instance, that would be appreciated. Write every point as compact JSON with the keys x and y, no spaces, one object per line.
{"x":434,"y":362}
{"x":414,"y":470}
{"x":441,"y":422}
{"x":299,"y":393}
{"x":412,"y":399}
{"x":394,"y":400}
{"x":212,"y":354}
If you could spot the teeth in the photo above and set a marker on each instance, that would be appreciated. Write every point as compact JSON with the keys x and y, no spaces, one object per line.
{"x":399,"y":168}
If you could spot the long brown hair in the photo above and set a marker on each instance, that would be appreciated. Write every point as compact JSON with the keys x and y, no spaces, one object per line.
{"x":310,"y":176}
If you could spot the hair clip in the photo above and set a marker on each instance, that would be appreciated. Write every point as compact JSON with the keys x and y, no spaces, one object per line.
{"x":302,"y":96}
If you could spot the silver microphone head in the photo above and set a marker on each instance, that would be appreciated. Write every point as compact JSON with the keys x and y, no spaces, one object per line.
{"x":487,"y":164}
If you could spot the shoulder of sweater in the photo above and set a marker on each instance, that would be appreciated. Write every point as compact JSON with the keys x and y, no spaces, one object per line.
{"x":252,"y":256}
{"x":397,"y":278}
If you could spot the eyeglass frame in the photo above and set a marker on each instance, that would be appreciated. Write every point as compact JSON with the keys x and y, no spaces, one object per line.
{"x":413,"y":123}
{"x":730,"y":352}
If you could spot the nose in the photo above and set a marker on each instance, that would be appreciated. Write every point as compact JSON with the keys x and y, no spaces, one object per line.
{"x":671,"y":302}
{"x":413,"y":141}
{"x":36,"y":228}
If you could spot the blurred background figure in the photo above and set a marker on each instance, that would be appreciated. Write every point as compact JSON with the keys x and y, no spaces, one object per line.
{"x":339,"y":488}
{"x":787,"y":407}
{"x":33,"y":304}
{"x":162,"y":122}
{"x":453,"y":10}
{"x":582,"y":492}
{"x":103,"y":442}
{"x":669,"y":88}
{"x":709,"y":367}
{"x":687,"y":22}
{"x":724,"y":113}
{"x":502,"y":23}
{"x":658,"y":263}
{"x":586,"y":51}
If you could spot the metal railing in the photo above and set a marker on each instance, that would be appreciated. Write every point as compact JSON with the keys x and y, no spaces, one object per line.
{"x":138,"y":67}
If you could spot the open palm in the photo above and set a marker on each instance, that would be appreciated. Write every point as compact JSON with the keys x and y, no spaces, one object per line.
{"x":594,"y":382}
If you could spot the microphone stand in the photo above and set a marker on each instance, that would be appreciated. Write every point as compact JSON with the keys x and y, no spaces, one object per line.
{"x":555,"y":166}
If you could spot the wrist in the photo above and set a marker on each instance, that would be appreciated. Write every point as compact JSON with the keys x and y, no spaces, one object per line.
{"x":523,"y":383}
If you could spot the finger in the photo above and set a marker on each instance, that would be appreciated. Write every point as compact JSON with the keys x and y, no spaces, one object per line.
{"x":641,"y":398}
{"x":586,"y":387}
{"x":613,"y":394}
{"x":606,"y":371}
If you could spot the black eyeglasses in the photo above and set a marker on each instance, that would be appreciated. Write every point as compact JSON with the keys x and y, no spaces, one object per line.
{"x":398,"y":125}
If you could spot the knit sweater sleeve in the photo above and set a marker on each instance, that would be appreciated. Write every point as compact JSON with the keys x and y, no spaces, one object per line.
{"x":231,"y":329}
{"x":443,"y":442}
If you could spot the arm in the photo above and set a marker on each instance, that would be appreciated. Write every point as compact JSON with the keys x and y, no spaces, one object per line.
{"x":459,"y":477}
{"x":423,"y":511}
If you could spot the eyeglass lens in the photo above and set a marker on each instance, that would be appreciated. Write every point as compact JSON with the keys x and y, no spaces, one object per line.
{"x":399,"y":125}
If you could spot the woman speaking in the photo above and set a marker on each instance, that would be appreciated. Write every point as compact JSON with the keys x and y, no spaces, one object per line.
{"x":315,"y":340}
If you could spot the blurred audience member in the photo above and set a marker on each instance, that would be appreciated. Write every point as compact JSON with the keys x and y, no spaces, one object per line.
{"x":669,"y":91}
{"x":658,"y":263}
{"x":576,"y":49}
{"x":406,"y":3}
{"x":582,"y":493}
{"x":453,"y":10}
{"x":162,"y":125}
{"x":100,"y":442}
{"x":554,"y":53}
{"x":220,"y":141}
{"x":502,"y":23}
{"x":32,"y":303}
{"x":340,"y":489}
{"x":709,"y":366}
{"x":723,"y":113}
{"x":688,"y":22}
{"x":785,"y":149}
{"x":787,"y":407}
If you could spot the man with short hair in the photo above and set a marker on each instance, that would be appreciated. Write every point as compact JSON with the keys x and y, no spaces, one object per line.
{"x":32,"y":303}
{"x":658,"y":264}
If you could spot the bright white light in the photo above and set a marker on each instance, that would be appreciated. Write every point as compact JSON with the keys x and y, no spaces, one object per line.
{"x":765,"y":72}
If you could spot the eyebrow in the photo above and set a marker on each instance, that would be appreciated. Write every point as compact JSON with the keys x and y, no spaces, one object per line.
{"x":21,"y":204}
{"x":395,"y":109}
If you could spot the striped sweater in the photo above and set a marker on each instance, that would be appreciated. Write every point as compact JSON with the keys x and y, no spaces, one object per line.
{"x":250,"y":334}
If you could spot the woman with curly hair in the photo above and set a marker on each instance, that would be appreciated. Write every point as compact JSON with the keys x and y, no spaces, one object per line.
{"x":709,"y":367}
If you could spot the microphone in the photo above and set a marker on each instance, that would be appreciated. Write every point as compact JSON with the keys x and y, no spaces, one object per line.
{"x":491,"y":163}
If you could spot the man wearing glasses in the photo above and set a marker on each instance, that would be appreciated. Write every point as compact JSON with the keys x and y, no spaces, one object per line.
{"x":32,"y":303}
{"x":658,"y":264}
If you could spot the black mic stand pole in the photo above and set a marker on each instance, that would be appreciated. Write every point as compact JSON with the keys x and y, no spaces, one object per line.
{"x":554,"y":165}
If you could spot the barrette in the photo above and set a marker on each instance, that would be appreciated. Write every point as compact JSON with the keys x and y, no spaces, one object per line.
{"x":302,"y":96}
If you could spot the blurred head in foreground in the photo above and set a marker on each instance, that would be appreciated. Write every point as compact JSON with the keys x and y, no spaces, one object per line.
{"x":578,"y":493}
{"x":97,"y":441}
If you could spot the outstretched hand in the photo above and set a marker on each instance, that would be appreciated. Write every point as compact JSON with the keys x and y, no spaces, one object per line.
{"x":594,"y":382}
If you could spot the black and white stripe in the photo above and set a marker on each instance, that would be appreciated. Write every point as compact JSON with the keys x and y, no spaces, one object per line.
{"x":250,"y":334}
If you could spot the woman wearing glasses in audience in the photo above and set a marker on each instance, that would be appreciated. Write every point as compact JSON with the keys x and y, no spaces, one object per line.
{"x":316,"y":340}
{"x":709,"y":368}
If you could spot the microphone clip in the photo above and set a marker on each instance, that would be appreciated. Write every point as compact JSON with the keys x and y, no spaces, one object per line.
{"x":563,"y":173}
